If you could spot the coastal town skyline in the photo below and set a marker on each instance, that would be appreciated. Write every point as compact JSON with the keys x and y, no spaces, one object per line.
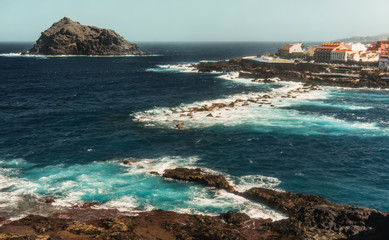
{"x":172,"y":20}
{"x":339,"y":52}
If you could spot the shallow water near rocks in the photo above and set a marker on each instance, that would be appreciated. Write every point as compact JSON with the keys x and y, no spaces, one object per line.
{"x":68,"y":123}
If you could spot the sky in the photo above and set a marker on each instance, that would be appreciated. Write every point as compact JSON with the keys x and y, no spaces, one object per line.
{"x":201,"y":20}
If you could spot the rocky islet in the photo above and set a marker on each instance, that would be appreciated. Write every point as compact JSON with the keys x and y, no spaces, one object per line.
{"x":67,"y":37}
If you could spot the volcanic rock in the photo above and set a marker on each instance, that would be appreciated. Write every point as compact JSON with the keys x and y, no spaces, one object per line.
{"x":198,"y":176}
{"x":235,"y":217}
{"x":157,"y":224}
{"x":314,"y":217}
{"x":310,"y":73}
{"x":67,"y":37}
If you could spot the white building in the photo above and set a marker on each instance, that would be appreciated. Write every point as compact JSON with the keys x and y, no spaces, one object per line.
{"x":354,"y":57}
{"x":355,"y":47}
{"x":296,"y":48}
{"x":384,"y":62}
{"x":369,"y":57}
{"x":291,"y":49}
{"x":340,"y":55}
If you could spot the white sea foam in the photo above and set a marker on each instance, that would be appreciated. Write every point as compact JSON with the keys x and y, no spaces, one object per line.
{"x":183,"y":68}
{"x":234,"y":76}
{"x":159,"y":165}
{"x":11,"y":54}
{"x":227,"y":201}
{"x":334,"y":105}
{"x":272,"y":113}
{"x":17,"y":195}
{"x":123,"y":204}
{"x":244,"y":183}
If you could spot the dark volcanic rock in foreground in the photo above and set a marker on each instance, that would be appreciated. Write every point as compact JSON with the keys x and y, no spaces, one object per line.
{"x":309,"y":217}
{"x":314,"y":217}
{"x":67,"y":37}
{"x":161,"y":225}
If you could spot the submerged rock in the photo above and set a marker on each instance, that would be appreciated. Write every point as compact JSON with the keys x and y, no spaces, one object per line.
{"x":67,"y":37}
{"x":198,"y":176}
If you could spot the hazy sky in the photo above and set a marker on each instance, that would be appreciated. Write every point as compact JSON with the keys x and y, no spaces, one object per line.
{"x":201,"y":20}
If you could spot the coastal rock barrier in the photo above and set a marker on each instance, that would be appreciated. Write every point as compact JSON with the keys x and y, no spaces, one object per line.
{"x":309,"y":217}
{"x":182,"y":117}
{"x":315,"y":74}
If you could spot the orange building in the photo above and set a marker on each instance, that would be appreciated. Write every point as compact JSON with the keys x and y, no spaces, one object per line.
{"x":380,"y":46}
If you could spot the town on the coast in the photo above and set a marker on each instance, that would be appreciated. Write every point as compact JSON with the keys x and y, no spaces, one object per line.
{"x":371,"y":54}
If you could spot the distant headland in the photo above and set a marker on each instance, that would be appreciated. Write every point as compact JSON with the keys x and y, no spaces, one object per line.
{"x":67,"y":37}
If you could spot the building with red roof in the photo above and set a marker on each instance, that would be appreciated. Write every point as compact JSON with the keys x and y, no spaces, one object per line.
{"x":340,"y":54}
{"x":323,"y":53}
{"x":380,"y":46}
{"x":290,"y":49}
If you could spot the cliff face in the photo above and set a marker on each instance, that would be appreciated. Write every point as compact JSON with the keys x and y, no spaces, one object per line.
{"x":67,"y":37}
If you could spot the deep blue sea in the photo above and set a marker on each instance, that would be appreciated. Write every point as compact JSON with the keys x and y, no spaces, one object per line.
{"x":68,"y":123}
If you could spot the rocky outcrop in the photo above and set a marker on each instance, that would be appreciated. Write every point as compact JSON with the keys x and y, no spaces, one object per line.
{"x":198,"y":176}
{"x":309,"y":217}
{"x":67,"y":37}
{"x":314,"y":217}
{"x":315,"y":74}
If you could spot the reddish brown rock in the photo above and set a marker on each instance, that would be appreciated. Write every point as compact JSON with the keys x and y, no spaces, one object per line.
{"x":49,"y":200}
{"x":158,"y":225}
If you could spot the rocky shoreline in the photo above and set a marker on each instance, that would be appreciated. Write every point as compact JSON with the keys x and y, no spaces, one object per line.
{"x":298,"y":80}
{"x":310,"y":73}
{"x":309,"y":217}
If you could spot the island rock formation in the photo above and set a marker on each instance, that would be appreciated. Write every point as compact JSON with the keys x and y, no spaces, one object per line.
{"x":67,"y":37}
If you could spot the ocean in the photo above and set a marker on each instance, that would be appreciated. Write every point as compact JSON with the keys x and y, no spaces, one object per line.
{"x":68,"y":123}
